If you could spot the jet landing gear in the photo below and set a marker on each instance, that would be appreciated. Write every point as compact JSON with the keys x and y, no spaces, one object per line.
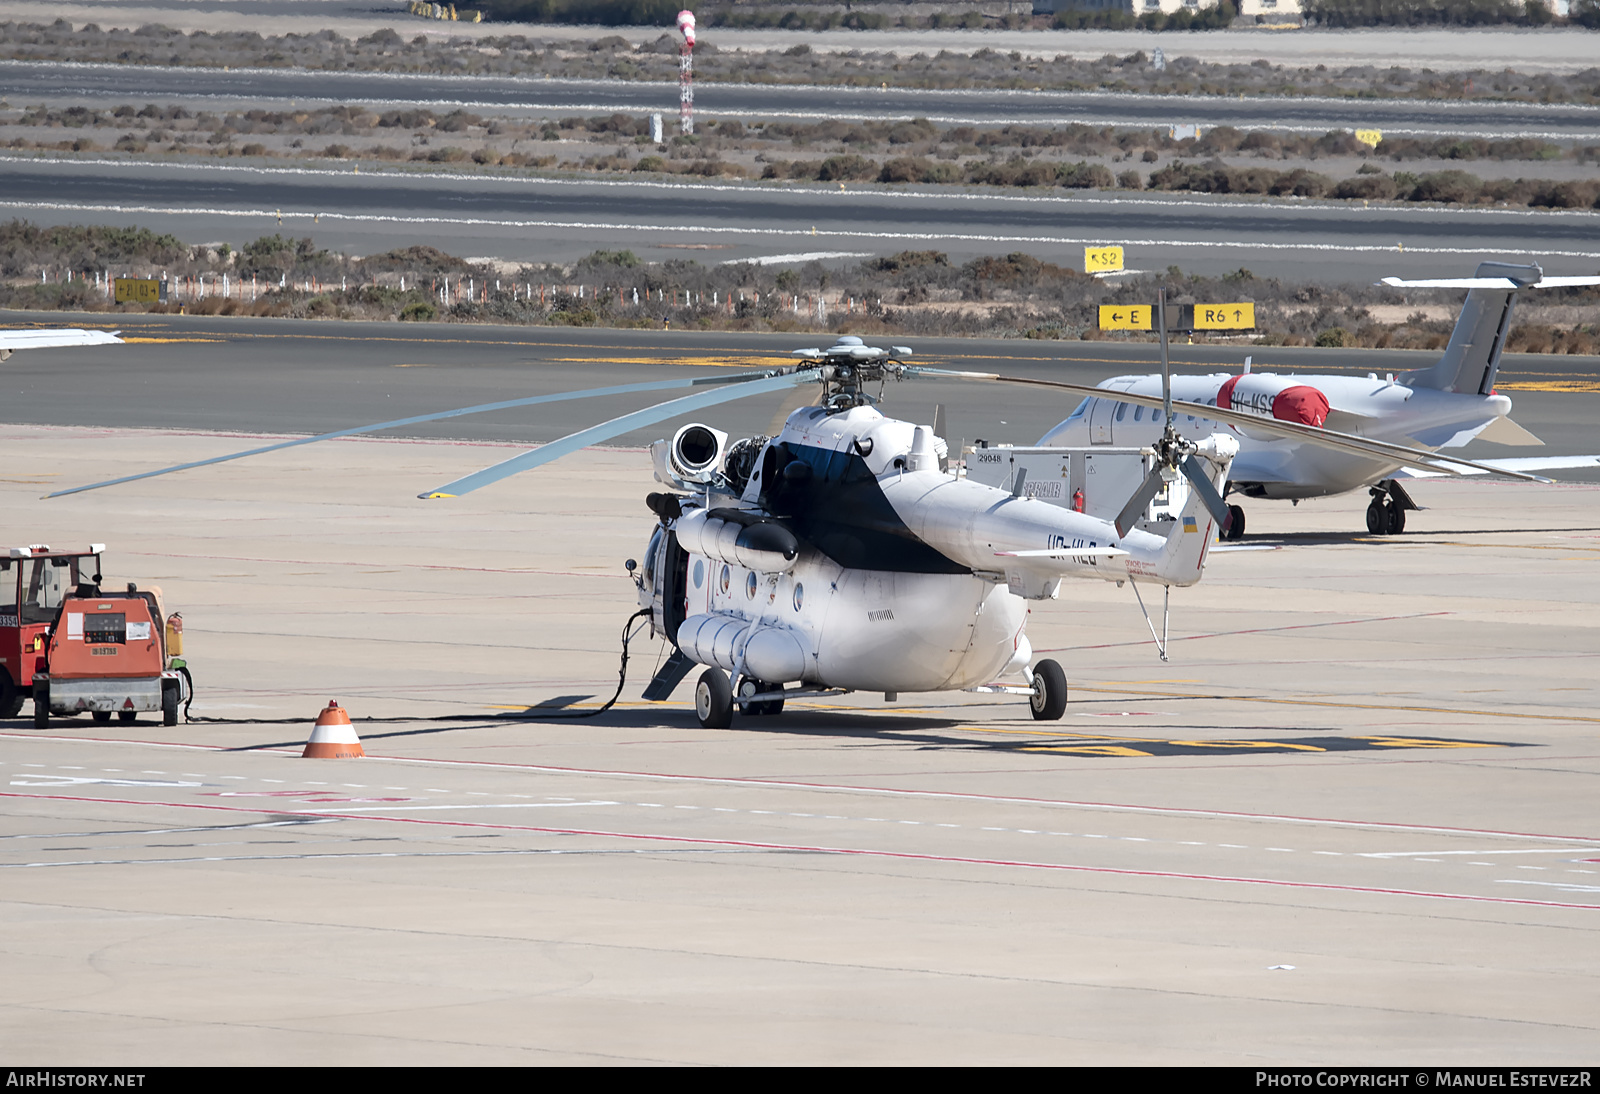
{"x":1386,"y":516}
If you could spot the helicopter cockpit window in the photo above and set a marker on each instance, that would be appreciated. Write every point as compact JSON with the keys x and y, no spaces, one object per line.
{"x":1082,"y":409}
{"x":650,"y":554}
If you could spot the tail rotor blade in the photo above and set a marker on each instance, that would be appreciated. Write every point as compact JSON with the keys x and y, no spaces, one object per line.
{"x":1195,"y":472}
{"x":1148,"y":489}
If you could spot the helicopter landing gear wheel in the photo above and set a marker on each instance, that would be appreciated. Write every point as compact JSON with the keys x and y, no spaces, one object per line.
{"x":1235,"y":523}
{"x":748,"y":686}
{"x":713,"y":700}
{"x":1049,"y":699}
{"x":1377,"y":518}
{"x":1394,"y":518}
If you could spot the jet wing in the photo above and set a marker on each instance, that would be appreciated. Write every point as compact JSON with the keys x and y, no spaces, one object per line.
{"x":1402,"y":455}
{"x":1514,"y":465}
{"x":13,"y":340}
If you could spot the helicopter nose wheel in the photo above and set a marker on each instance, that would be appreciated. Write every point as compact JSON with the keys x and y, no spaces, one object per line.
{"x":1049,"y":699}
{"x":713,"y":700}
{"x":749,"y":686}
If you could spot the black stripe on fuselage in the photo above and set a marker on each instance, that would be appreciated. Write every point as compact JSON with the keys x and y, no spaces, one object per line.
{"x":842,"y":511}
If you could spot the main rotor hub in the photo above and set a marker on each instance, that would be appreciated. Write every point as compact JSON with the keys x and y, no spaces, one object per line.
{"x":848,"y":365}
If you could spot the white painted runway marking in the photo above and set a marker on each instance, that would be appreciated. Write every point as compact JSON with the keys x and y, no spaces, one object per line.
{"x":472,"y":805}
{"x":74,"y":780}
{"x":1568,"y":886}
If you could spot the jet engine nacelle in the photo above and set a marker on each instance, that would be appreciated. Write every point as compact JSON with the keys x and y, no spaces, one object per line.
{"x":693,"y":456}
{"x":762,"y":545}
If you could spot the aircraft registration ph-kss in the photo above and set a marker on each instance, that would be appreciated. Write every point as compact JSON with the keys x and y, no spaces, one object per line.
{"x":1284,"y":423}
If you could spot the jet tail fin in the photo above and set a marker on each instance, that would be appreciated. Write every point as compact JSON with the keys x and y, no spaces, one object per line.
{"x":1472,"y":359}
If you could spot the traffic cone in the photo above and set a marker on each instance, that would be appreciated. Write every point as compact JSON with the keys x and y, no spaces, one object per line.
{"x":333,"y":737}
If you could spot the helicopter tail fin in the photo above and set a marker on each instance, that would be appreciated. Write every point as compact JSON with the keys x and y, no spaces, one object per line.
{"x":1195,"y":527}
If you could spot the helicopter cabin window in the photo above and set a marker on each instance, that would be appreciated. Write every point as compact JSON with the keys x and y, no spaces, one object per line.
{"x":1138,"y":413}
{"x":1122,"y":411}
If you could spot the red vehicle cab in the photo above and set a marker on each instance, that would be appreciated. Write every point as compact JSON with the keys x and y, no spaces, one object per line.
{"x":34,"y":580}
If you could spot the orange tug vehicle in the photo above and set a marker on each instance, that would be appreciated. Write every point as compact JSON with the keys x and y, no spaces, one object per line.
{"x":74,"y":648}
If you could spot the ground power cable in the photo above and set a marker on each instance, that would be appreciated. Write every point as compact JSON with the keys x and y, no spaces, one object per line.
{"x":532,"y":714}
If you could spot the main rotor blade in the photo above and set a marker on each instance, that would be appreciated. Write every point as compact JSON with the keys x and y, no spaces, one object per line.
{"x":1327,"y":438}
{"x":482,"y":408}
{"x":614,"y":428}
{"x":1149,"y":488}
{"x":1196,"y":474}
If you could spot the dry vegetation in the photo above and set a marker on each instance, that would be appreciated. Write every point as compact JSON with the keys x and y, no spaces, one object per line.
{"x":1223,"y":160}
{"x":611,"y":57}
{"x":911,"y":293}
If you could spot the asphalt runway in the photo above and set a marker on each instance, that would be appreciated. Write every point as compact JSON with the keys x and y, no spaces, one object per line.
{"x":1349,"y":823}
{"x":254,"y":376}
{"x":240,"y":88}
{"x":524,"y":219}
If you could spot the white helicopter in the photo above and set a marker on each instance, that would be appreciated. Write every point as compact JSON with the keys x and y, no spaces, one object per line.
{"x":1282,"y":422}
{"x":844,"y":555}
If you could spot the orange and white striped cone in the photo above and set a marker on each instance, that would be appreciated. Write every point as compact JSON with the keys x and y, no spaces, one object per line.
{"x":333,"y":737}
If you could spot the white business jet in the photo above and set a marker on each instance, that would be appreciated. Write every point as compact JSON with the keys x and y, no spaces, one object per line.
{"x":1285,"y":422}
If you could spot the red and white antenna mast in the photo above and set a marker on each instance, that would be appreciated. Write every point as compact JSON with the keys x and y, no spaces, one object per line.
{"x":686,"y":72}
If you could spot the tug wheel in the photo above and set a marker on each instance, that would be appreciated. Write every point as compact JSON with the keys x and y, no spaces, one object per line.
{"x":1049,"y":699}
{"x":10,"y":696}
{"x":713,"y":700}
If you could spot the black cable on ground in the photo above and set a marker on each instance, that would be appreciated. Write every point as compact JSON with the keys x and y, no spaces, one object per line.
{"x":628,"y":634}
